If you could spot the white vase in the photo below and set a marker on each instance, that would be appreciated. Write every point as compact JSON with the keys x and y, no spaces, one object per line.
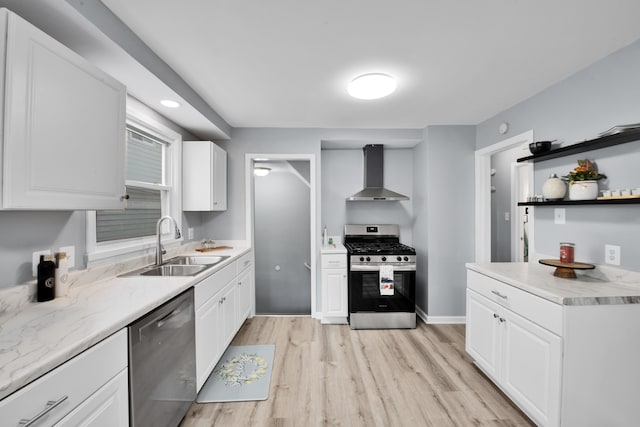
{"x":554,"y":188}
{"x":583,"y":190}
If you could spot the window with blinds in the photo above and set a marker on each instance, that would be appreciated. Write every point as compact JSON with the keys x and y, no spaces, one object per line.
{"x":146,"y":188}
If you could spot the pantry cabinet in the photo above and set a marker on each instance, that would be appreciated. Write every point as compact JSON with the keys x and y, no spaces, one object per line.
{"x":63,"y":138}
{"x":204,"y":176}
{"x":90,"y":390}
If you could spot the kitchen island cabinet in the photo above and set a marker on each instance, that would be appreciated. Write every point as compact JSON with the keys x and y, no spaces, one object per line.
{"x":559,"y":348}
{"x":63,"y":136}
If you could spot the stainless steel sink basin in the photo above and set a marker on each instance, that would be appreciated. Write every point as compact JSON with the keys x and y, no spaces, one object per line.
{"x":179,"y":266}
{"x":174,"y":270}
{"x":208,"y":260}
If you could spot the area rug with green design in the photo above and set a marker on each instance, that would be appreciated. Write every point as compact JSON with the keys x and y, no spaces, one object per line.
{"x":243,"y":373}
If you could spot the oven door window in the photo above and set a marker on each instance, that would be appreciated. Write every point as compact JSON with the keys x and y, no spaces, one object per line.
{"x":364,"y":292}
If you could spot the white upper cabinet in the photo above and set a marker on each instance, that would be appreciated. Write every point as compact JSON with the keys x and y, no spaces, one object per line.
{"x":64,"y":125}
{"x":204,"y":176}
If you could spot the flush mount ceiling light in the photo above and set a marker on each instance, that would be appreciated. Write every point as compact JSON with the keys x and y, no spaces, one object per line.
{"x":261,"y":171}
{"x":372,"y":86}
{"x":169,"y":103}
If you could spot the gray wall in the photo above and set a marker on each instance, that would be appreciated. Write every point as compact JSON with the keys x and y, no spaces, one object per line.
{"x":575,"y":109}
{"x":282,"y":239}
{"x":342,"y":176}
{"x":443,"y":205}
{"x":22,"y":233}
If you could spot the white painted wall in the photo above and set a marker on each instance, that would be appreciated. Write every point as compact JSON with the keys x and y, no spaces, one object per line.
{"x":575,"y":109}
{"x":443,"y":218}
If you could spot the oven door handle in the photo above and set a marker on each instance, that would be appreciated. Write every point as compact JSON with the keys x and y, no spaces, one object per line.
{"x":357,"y":267}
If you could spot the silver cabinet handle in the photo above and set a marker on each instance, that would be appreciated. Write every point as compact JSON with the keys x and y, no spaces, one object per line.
{"x":499,"y":294}
{"x":502,"y":320}
{"x":51,"y":404}
{"x":496,"y":315}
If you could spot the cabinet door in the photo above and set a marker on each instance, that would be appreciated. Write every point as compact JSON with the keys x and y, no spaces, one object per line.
{"x":208,"y":338}
{"x":245,"y":285}
{"x":483,"y":333}
{"x":334,"y":281}
{"x":531,"y":368}
{"x":229,"y":321}
{"x":108,"y":407}
{"x":204,"y":174}
{"x":64,"y":128}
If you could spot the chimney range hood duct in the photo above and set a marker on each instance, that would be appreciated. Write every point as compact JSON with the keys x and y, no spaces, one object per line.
{"x":373,"y":177}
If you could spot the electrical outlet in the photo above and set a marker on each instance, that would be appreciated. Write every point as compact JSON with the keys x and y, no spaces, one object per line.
{"x":612,"y":254}
{"x":559,"y":216}
{"x":507,"y":216}
{"x":35,"y":260}
{"x":71,"y":255}
{"x":190,"y":233}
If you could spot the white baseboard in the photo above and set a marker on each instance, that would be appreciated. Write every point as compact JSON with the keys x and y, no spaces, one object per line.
{"x":440,"y":320}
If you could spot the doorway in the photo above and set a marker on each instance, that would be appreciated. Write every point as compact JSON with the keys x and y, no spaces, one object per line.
{"x":280,"y":224}
{"x":483,"y":187}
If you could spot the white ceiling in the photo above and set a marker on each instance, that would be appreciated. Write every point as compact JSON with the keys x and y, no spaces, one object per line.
{"x":286,"y":63}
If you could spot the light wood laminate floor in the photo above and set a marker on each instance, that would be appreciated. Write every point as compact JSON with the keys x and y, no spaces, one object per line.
{"x":332,"y":375}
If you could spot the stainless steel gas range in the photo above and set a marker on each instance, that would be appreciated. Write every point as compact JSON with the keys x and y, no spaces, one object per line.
{"x":382,"y":277}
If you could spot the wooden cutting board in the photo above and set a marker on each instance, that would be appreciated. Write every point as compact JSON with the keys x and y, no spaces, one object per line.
{"x":217,"y":248}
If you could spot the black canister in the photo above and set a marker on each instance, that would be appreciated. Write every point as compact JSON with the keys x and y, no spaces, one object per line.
{"x":46,"y":279}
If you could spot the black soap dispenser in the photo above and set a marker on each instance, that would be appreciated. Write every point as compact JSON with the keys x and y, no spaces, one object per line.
{"x":46,"y":278}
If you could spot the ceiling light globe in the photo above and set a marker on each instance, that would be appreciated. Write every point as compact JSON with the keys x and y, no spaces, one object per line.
{"x":169,"y":103}
{"x":372,"y":86}
{"x":261,"y":171}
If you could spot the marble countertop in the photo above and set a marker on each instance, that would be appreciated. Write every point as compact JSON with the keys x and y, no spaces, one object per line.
{"x":37,"y":337}
{"x":336,"y":248}
{"x":617,"y":288}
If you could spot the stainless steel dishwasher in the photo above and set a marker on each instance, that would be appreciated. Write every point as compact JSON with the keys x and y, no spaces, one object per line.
{"x":162,"y":364}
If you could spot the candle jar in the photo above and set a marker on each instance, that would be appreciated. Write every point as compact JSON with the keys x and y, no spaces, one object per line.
{"x":567,"y":252}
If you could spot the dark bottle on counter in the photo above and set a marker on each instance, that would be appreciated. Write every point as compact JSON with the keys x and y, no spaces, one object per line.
{"x":46,"y":278}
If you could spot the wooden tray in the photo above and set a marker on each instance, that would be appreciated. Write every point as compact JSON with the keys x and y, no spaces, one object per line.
{"x":217,"y":248}
{"x":566,"y":270}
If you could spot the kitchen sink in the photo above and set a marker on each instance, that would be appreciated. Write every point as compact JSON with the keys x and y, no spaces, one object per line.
{"x":179,"y":266}
{"x":174,"y":270}
{"x":196,"y":260}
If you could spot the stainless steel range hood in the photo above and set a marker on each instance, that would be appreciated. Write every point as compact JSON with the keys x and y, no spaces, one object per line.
{"x":374,"y":177}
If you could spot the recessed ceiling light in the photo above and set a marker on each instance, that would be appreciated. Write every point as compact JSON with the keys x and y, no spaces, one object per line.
{"x":169,"y":103}
{"x":372,"y":86}
{"x":261,"y":171}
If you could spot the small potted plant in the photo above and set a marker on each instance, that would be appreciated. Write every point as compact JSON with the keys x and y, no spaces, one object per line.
{"x":583,"y":181}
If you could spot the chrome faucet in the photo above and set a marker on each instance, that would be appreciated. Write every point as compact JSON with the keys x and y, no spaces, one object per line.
{"x":159,"y":249}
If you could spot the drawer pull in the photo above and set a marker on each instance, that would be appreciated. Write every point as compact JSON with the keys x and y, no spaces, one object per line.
{"x":51,"y":404}
{"x":499,"y":294}
{"x":496,"y":315}
{"x":502,"y":320}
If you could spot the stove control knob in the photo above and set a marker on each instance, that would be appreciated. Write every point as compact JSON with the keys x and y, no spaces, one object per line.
{"x":399,"y":258}
{"x":384,"y":258}
{"x":368,"y":259}
{"x":406,"y":258}
{"x":361,"y":258}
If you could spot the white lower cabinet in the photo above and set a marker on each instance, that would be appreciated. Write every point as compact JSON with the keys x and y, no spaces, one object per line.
{"x":222,"y":303}
{"x":89,"y":390}
{"x":523,"y":358}
{"x":334,"y":288}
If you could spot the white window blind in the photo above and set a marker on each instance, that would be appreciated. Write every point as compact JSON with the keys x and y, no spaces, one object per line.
{"x":145,"y":179}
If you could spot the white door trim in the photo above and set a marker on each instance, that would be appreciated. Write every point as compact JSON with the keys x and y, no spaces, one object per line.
{"x":250,"y":211}
{"x":483,"y":194}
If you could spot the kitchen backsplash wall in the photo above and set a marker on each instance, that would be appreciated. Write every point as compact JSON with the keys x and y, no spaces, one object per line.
{"x":578,"y":108}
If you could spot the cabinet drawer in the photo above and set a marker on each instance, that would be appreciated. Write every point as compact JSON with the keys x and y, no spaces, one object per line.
{"x":244,"y":262}
{"x":69,"y":384}
{"x":538,"y":310}
{"x":213,"y":284}
{"x":334,"y":261}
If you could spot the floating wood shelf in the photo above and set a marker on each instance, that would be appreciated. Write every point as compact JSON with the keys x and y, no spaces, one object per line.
{"x":582,"y":202}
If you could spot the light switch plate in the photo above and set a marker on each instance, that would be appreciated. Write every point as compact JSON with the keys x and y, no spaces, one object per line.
{"x":612,"y":254}
{"x":559,"y":216}
{"x":35,"y":260}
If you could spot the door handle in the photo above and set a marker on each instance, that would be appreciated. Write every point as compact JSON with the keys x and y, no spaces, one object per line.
{"x":308,"y":266}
